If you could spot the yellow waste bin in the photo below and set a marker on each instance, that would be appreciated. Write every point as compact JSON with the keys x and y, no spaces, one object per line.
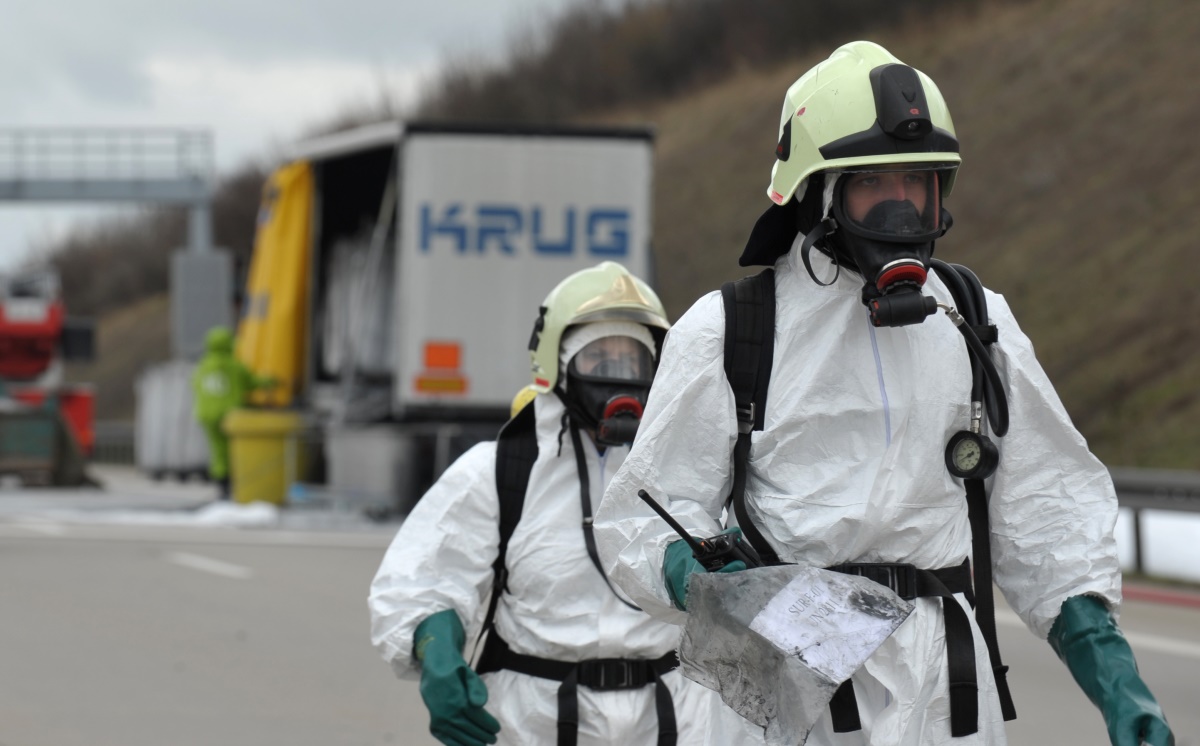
{"x":265,"y":453}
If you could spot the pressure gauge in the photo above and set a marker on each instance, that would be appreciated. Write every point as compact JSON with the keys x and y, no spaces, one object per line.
{"x":970,"y":455}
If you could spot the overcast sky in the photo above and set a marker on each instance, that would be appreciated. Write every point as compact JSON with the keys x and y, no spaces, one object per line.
{"x":255,"y":72}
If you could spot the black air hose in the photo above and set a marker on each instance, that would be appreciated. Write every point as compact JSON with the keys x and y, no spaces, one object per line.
{"x":967,"y":291}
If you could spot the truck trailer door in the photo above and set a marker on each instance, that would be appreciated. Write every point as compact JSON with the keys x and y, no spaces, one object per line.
{"x":489,"y":223}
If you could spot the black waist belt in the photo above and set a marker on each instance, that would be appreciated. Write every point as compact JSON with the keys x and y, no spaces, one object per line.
{"x":599,"y":674}
{"x":909,"y":583}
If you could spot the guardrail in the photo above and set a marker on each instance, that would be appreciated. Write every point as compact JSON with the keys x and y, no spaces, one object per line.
{"x":82,"y":154}
{"x":1157,"y":489}
{"x":1154,"y":489}
{"x":113,"y":443}
{"x":1137,"y":489}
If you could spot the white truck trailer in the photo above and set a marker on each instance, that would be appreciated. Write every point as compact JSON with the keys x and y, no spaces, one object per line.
{"x":430,"y":248}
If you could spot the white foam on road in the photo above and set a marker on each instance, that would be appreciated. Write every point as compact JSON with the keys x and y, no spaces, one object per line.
{"x":46,"y":528}
{"x":209,"y":565}
{"x":356,"y":537}
{"x":215,"y":514}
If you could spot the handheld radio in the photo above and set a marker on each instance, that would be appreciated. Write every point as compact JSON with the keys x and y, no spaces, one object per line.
{"x":714,"y":552}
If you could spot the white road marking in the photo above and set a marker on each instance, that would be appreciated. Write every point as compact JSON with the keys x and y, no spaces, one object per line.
{"x":208,"y":564}
{"x":375,"y":539}
{"x":45,"y":528}
{"x":1139,"y":641}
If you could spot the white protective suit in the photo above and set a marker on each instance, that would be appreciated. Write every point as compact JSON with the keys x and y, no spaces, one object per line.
{"x":850,"y":468}
{"x":558,"y":607}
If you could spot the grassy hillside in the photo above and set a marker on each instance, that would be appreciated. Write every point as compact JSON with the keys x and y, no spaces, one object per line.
{"x":1078,"y":198}
{"x":127,"y":341}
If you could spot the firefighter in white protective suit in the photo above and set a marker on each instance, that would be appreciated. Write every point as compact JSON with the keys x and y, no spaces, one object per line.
{"x":891,"y":379}
{"x":568,"y":658}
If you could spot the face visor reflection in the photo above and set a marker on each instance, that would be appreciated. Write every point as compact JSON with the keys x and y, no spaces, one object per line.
{"x":618,"y":358}
{"x":891,"y":202}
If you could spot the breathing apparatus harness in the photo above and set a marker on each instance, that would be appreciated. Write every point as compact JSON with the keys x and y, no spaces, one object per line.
{"x":871,"y":199}
{"x":516,"y":453}
{"x":970,"y":454}
{"x":749,"y":347}
{"x":609,"y":405}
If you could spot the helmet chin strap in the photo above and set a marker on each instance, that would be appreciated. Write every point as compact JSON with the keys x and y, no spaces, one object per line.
{"x":822,"y":229}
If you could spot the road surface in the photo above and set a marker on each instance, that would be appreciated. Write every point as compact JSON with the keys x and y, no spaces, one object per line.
{"x":151,"y":635}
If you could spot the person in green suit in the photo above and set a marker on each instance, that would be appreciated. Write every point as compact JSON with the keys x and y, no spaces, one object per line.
{"x":221,"y":384}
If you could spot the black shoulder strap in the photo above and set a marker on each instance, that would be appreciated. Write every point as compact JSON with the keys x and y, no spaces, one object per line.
{"x":969,"y":297}
{"x":985,"y":607}
{"x":516,"y":451}
{"x":749,"y":347}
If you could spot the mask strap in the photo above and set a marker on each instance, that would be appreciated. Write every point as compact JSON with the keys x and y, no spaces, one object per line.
{"x":585,"y":504}
{"x":947,"y":221}
{"x":575,"y":414}
{"x":824,"y":228}
{"x":566,"y":415}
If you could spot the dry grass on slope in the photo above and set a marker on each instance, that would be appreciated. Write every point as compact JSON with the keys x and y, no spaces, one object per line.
{"x":127,"y":341}
{"x":1080,"y":203}
{"x":1077,"y":198}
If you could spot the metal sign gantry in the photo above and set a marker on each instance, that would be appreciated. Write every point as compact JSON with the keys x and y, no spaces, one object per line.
{"x":149,"y":165}
{"x":161,"y":166}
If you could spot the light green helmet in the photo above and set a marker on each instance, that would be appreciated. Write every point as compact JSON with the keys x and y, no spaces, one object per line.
{"x":861,"y":107}
{"x":219,"y":339}
{"x":606,"y":292}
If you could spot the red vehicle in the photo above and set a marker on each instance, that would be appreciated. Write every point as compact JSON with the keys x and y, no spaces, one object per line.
{"x":35,"y":337}
{"x":31,"y":325}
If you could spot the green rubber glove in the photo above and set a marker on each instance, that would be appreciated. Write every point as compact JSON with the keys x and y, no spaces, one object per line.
{"x":679,"y":564}
{"x":453,"y":693}
{"x":1087,"y":639}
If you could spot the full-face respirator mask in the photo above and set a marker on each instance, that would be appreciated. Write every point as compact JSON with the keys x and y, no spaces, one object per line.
{"x":881,"y":223}
{"x":607,"y":382}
